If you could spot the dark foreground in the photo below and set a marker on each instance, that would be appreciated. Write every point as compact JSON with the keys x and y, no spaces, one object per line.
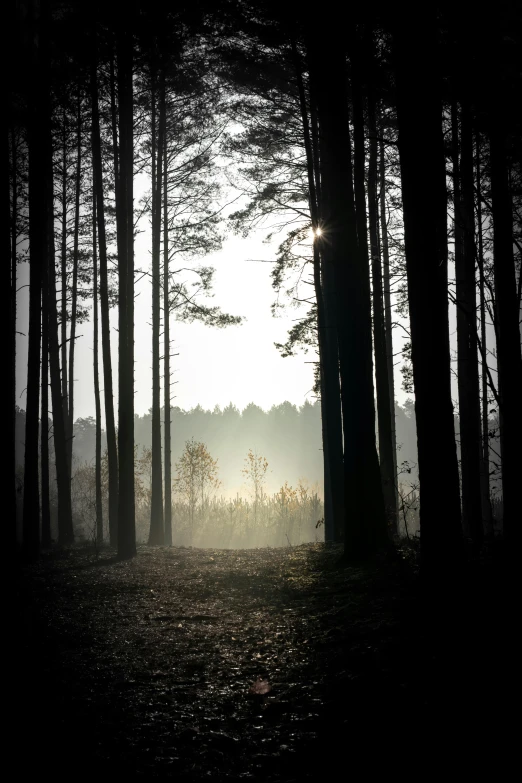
{"x":262,"y":665}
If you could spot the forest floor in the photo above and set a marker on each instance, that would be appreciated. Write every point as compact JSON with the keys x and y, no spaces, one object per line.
{"x":262,"y":665}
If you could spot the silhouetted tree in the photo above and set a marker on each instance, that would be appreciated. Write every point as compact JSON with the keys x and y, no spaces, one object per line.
{"x":382,"y":365}
{"x":365,"y":522}
{"x":419,"y":107}
{"x":484,"y":469}
{"x":110,"y":424}
{"x":156,"y":535}
{"x":37,"y":83}
{"x":507,"y":311}
{"x":467,"y":376}
{"x":326,"y":337}
{"x":96,"y":374}
{"x":125,"y":232}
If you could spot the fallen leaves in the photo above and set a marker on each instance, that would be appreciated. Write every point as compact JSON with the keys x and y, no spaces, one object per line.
{"x":218,"y":658}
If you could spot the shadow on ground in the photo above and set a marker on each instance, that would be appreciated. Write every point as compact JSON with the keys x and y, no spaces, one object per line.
{"x":262,"y":665}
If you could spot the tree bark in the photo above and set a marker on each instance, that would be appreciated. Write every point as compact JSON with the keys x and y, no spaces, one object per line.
{"x":108,"y":395}
{"x":387,"y":312}
{"x":96,"y":374}
{"x":74,"y":287}
{"x":38,"y":110}
{"x":63,"y":259}
{"x":467,"y":376}
{"x":332,"y":384}
{"x":11,"y":283}
{"x":156,"y":533}
{"x":125,"y":240}
{"x":44,"y":416}
{"x":359,"y":156}
{"x":59,"y":406}
{"x":487,"y":514}
{"x":420,"y":139}
{"x":166,"y":338}
{"x":384,"y":413}
{"x":328,"y":362}
{"x":365,"y":530}
{"x":509,"y":362}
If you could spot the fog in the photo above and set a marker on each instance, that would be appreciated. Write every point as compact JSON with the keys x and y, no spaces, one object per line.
{"x":290,"y":496}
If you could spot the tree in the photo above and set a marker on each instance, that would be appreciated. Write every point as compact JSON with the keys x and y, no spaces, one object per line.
{"x":125,"y":231}
{"x":17,"y":198}
{"x":279,"y":173}
{"x":196,"y":474}
{"x":388,"y":326}
{"x":74,"y":284}
{"x":326,"y":335}
{"x":156,"y":535}
{"x":383,"y":371}
{"x":255,"y":470}
{"x":468,"y":380}
{"x":44,"y":417}
{"x":419,"y":106}
{"x":507,"y":312}
{"x":485,"y":483}
{"x":166,"y":358}
{"x":96,"y":377}
{"x":366,"y":529}
{"x":112,"y":449}
{"x":179,"y":143}
{"x":37,"y":80}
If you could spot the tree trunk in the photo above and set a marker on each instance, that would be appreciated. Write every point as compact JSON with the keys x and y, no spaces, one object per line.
{"x":487,"y":515}
{"x":74,"y":288}
{"x":44,"y":416}
{"x":38,"y":111}
{"x":384,"y":413}
{"x":388,"y":335}
{"x":96,"y":376}
{"x":365,"y":530}
{"x":125,"y":239}
{"x":63,"y":266}
{"x":114,"y":122}
{"x":332,"y":384}
{"x":59,"y":407}
{"x":328,"y":361}
{"x":110,"y":425}
{"x":12,"y":206}
{"x":166,"y":339}
{"x":509,"y":361}
{"x":357,"y":70}
{"x":156,"y":534}
{"x":421,"y":140}
{"x":467,"y":376}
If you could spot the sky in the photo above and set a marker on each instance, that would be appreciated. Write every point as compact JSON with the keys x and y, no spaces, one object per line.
{"x":237,"y":364}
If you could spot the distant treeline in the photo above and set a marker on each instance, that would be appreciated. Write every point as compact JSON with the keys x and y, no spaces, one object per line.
{"x":288,"y":436}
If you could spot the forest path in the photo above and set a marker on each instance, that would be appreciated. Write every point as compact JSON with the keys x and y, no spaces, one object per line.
{"x":227,"y":665}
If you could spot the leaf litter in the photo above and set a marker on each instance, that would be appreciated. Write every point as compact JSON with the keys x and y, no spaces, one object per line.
{"x":220,"y":665}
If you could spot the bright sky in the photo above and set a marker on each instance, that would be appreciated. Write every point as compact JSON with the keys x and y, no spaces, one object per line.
{"x":238,"y":364}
